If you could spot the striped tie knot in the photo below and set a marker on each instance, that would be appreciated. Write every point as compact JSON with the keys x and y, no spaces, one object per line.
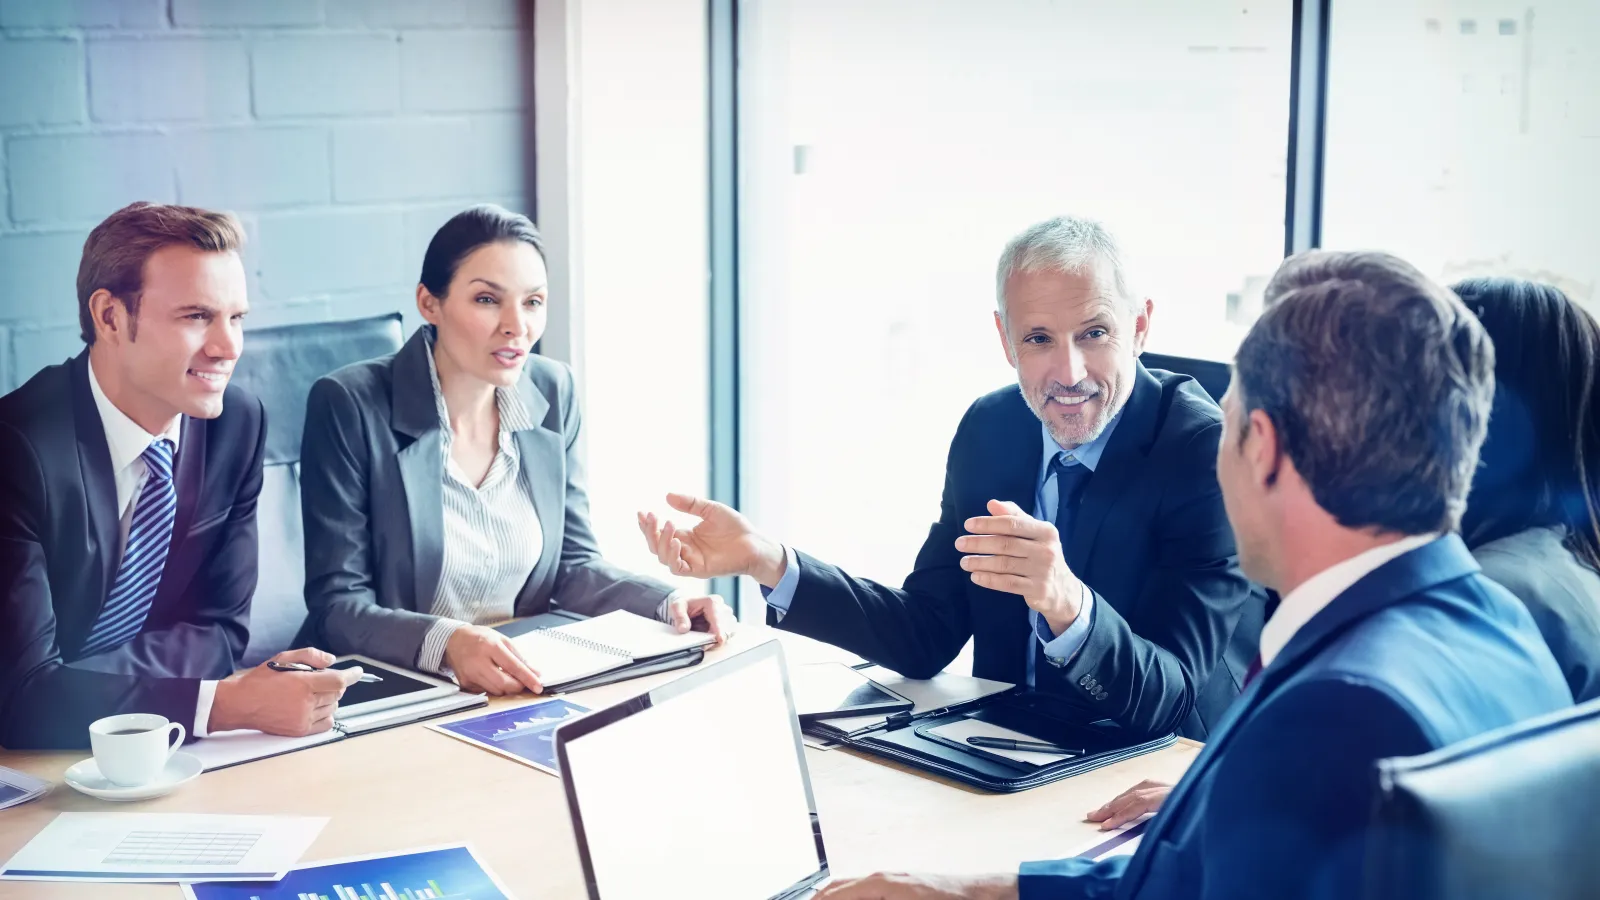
{"x":158,"y":458}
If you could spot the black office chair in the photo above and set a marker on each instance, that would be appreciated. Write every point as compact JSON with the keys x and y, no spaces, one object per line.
{"x":1213,"y":376}
{"x":279,"y":365}
{"x":1508,"y":814}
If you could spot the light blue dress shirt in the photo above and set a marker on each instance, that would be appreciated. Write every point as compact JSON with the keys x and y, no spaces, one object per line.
{"x":1058,"y":649}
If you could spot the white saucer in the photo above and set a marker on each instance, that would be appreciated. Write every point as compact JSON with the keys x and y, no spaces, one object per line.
{"x":85,"y":777}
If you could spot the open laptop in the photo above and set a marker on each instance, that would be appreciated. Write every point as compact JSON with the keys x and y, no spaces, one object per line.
{"x":698,"y":788}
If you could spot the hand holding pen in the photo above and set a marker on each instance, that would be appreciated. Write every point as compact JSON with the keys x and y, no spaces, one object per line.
{"x":274,"y":665}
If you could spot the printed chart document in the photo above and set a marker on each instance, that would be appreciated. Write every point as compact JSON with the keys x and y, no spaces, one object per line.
{"x":617,"y":639}
{"x":435,"y":873}
{"x":163,"y":847}
{"x":525,"y":734}
{"x":19,"y":787}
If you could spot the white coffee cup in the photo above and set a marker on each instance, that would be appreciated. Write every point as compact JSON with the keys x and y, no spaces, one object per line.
{"x":131,"y":750}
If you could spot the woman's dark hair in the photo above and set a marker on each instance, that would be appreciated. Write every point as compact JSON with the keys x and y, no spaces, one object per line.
{"x":467,"y":231}
{"x":1541,"y":462}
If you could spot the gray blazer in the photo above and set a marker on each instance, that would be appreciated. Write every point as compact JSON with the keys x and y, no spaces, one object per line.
{"x":372,"y":497}
{"x":1562,"y":593}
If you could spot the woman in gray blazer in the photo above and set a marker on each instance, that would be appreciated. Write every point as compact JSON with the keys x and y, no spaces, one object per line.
{"x":443,"y":485}
{"x":1533,"y":518}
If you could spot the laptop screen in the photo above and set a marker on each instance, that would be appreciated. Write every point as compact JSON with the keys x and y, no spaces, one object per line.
{"x":702,"y":794}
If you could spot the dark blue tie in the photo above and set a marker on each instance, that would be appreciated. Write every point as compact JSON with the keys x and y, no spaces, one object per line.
{"x":149,"y":538}
{"x":1070,"y":479}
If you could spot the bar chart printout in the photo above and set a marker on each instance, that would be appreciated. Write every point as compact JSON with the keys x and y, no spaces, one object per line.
{"x":440,"y":873}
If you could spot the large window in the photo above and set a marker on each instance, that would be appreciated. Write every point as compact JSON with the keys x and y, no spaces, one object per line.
{"x":889,"y":148}
{"x":1463,"y":135}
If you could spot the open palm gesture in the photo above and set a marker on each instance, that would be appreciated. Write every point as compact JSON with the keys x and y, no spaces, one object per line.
{"x":723,"y":543}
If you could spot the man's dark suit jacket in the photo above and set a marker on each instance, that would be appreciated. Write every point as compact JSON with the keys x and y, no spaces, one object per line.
{"x":1421,"y":653}
{"x":1149,"y":537}
{"x":59,"y":531}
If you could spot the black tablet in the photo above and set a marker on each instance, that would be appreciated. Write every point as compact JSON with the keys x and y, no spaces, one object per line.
{"x":834,"y":690}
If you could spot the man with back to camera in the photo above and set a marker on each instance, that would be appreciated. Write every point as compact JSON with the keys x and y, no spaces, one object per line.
{"x":128,"y":484}
{"x":1358,"y":405}
{"x":1081,"y":540}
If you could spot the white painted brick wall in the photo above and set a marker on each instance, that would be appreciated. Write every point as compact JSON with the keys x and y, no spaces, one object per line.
{"x":343,"y":133}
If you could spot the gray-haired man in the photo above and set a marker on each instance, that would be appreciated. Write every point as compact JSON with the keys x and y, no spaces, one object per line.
{"x":1081,"y":539}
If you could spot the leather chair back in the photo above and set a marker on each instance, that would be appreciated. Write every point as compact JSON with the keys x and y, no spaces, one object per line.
{"x":1511,"y":813}
{"x":279,"y":365}
{"x":1213,"y":376}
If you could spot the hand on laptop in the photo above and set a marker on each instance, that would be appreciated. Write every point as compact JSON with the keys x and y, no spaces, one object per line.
{"x":724,"y":543}
{"x":486,"y":662}
{"x":903,"y":886}
{"x":707,"y":613}
{"x":1131,"y":804}
{"x":287,"y":703}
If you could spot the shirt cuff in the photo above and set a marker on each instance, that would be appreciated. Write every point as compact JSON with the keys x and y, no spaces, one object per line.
{"x":431,"y":657}
{"x":662,"y":613}
{"x":781,"y":595}
{"x":1060,"y":649}
{"x":202,"y":709}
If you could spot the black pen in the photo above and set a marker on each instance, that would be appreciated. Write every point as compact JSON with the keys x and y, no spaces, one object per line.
{"x":994,"y":743}
{"x":366,"y":677}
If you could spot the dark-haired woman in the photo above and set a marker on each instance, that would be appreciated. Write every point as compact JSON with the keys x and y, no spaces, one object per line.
{"x":1533,"y":518}
{"x":443,"y":485}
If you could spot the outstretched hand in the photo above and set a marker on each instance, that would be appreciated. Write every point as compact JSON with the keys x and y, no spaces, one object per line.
{"x":723,"y":543}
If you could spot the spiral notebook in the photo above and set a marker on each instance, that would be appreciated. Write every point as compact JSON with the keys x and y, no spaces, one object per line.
{"x":570,"y":653}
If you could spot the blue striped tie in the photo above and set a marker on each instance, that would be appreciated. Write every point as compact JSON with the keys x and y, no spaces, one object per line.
{"x":149,"y":538}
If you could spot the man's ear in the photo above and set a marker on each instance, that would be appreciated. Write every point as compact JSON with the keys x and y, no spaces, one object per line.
{"x":1262,"y":448}
{"x":1141,"y":324}
{"x":107,"y":314}
{"x":1005,"y":339}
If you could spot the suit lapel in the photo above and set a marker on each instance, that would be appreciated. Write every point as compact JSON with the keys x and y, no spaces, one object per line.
{"x":1445,"y":559}
{"x":99,"y":485}
{"x":1016,"y":454}
{"x":1124,"y":456}
{"x":415,"y":416}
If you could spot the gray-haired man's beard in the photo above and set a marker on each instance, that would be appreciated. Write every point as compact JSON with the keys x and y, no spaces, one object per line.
{"x":1039,"y":403}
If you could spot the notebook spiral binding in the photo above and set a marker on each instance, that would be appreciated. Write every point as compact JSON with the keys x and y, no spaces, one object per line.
{"x":585,"y":643}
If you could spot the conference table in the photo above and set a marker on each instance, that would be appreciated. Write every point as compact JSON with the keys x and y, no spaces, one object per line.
{"x":411,"y":787}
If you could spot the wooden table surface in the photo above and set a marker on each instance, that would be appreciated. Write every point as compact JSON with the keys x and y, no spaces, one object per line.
{"x":410,"y":787}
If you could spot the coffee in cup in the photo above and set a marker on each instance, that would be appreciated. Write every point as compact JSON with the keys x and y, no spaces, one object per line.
{"x":131,"y":750}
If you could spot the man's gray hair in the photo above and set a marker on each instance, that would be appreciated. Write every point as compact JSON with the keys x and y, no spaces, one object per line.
{"x":1062,"y":244}
{"x":1378,"y":381}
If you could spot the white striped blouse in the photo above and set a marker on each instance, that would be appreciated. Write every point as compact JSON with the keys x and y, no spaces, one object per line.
{"x":492,"y":535}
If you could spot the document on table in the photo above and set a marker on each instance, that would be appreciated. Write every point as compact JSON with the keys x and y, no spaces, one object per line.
{"x":961,"y":729}
{"x":163,"y":847}
{"x":1117,"y":843}
{"x":18,"y":787}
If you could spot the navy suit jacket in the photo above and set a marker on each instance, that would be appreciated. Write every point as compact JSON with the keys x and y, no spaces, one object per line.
{"x":59,"y":535}
{"x":1176,"y":623}
{"x":1421,"y":653}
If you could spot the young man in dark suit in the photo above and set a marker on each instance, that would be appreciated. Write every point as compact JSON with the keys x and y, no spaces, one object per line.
{"x":128,"y":485}
{"x":1359,"y":403}
{"x":1081,"y":539}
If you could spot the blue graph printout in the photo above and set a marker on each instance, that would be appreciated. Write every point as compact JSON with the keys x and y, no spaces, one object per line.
{"x":443,"y":873}
{"x":526,"y":733}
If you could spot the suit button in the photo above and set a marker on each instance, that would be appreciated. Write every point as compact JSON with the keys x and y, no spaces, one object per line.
{"x":1084,"y":681}
{"x":1100,"y":696}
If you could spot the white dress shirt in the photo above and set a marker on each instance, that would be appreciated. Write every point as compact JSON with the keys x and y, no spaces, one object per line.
{"x":127,"y":440}
{"x":1305,"y":601}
